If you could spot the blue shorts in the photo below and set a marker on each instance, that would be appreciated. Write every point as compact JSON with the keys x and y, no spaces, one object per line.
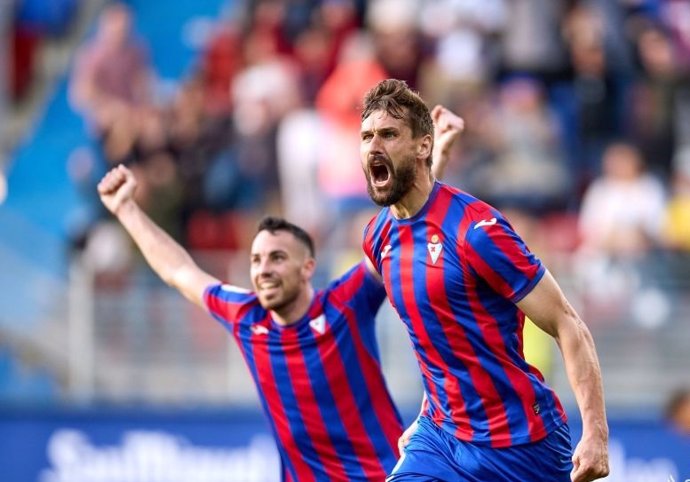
{"x":434,"y":455}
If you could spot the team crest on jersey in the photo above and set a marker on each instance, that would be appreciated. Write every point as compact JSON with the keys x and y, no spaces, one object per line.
{"x":385,"y":250}
{"x":318,"y":324}
{"x":434,"y":247}
{"x":259,"y":330}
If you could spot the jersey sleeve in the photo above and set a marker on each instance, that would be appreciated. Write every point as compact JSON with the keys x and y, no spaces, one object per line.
{"x":360,"y":289}
{"x":227,"y":303}
{"x":501,"y":258}
{"x":368,"y":245}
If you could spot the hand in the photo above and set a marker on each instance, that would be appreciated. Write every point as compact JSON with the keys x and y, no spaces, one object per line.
{"x":590,"y":460}
{"x":405,"y":437}
{"x":447,"y":128}
{"x":116,"y":188}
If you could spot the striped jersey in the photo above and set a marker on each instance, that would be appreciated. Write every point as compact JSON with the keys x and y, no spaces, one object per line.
{"x":454,"y":272}
{"x":319,"y":379}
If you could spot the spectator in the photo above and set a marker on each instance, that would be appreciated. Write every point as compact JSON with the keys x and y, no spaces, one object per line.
{"x":622,"y":211}
{"x":522,"y":138}
{"x":112,"y":76}
{"x":657,"y":99}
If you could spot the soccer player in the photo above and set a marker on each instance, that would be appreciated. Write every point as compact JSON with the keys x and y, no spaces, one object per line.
{"x":312,"y":354}
{"x":463,"y":281}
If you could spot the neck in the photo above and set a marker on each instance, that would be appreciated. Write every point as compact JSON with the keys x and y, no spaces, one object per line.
{"x":416,"y":197}
{"x":296,"y":309}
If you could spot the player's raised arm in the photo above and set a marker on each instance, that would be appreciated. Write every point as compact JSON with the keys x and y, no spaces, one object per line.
{"x":165,"y":256}
{"x":548,"y":308}
{"x":447,"y":128}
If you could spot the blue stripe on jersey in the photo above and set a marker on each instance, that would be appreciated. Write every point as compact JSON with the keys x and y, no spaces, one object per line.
{"x":517,"y":418}
{"x":434,"y":328}
{"x":327,"y":405}
{"x":403,"y":306}
{"x":248,"y":352}
{"x":356,"y":380}
{"x":288,"y":399}
{"x":455,"y":288}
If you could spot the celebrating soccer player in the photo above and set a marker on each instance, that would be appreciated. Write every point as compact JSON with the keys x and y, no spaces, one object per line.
{"x":310,"y":352}
{"x":463,"y":281}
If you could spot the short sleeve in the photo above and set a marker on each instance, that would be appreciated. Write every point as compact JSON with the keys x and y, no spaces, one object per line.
{"x":501,"y":258}
{"x":359,"y":289}
{"x":228,"y":303}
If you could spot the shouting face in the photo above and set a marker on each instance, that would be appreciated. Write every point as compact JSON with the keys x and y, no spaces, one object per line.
{"x":389,"y":155}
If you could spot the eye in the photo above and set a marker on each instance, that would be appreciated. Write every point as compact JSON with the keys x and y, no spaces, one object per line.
{"x":389,"y":134}
{"x":367,"y":136}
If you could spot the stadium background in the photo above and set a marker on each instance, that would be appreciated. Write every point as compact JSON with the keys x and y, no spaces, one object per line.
{"x":106,"y":374}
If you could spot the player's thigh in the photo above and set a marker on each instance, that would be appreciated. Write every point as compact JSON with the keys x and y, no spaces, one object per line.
{"x":427,"y":457}
{"x":546,"y":460}
{"x":417,"y":466}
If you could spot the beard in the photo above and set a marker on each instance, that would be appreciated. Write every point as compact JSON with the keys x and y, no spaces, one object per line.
{"x":279,"y":301}
{"x":402,"y":180}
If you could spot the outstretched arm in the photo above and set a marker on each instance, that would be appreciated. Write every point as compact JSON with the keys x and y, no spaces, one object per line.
{"x":548,"y":308}
{"x":447,"y":128}
{"x":165,"y":256}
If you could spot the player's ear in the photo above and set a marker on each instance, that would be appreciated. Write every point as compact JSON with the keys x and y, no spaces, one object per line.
{"x":308,"y":268}
{"x":424,"y":147}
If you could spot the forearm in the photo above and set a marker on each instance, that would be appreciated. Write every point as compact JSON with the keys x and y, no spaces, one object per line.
{"x":584,"y":375}
{"x":440,"y":158}
{"x":165,"y":256}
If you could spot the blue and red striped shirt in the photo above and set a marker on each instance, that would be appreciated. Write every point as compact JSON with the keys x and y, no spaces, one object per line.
{"x":319,"y":379}
{"x":454,"y":272}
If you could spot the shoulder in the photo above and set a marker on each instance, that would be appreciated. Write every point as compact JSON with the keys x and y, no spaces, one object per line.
{"x":356,"y":282}
{"x":223,"y":297}
{"x":468,"y":212}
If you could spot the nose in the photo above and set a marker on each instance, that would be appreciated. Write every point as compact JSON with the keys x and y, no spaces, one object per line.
{"x":374,"y":146}
{"x":262,"y":268}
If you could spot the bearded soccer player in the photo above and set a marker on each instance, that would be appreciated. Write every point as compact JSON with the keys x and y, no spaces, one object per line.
{"x":463,"y":281}
{"x":312,"y":354}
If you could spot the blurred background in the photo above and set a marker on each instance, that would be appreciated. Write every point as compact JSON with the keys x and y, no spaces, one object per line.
{"x":578,"y":128}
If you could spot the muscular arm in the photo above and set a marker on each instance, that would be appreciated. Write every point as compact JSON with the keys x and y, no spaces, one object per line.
{"x":165,"y":256}
{"x":548,"y":308}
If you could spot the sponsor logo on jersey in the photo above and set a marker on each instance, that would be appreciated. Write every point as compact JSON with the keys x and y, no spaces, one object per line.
{"x":259,"y":330}
{"x":485,"y":222}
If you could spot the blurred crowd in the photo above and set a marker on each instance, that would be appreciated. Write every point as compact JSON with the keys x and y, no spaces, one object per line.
{"x":577,"y":114}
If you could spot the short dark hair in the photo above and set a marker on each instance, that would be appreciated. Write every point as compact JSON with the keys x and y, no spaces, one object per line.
{"x":273,"y":224}
{"x":394,"y":97}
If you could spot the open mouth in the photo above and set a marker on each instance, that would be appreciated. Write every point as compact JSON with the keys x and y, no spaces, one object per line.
{"x":380,"y":173}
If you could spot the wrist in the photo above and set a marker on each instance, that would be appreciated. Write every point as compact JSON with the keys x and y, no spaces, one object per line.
{"x":125,"y":208}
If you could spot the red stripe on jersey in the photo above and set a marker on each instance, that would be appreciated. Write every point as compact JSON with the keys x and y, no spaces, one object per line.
{"x":520,"y":383}
{"x":336,"y":375}
{"x":309,"y":407}
{"x":457,"y":340}
{"x":407,"y":284}
{"x":267,"y":382}
{"x":383,"y":405}
{"x":517,"y":258}
{"x":494,"y":280}
{"x":368,"y":242}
